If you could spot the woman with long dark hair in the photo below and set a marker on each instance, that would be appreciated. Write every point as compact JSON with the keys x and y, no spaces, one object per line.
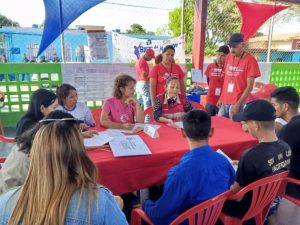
{"x":42,"y":102}
{"x":61,"y":186}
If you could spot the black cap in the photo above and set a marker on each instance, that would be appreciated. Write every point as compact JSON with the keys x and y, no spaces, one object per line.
{"x":258,"y":110}
{"x":224,"y":49}
{"x":236,"y":39}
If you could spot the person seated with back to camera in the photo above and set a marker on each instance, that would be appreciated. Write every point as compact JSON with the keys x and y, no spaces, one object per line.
{"x":68,"y":102}
{"x":62,"y":183}
{"x":122,"y":110}
{"x":15,"y":168}
{"x":201,"y":173}
{"x":171,"y":106}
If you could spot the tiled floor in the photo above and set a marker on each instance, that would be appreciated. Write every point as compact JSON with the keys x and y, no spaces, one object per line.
{"x":288,"y":213}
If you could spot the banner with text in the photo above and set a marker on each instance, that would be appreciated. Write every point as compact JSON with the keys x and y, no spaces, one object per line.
{"x":128,"y":50}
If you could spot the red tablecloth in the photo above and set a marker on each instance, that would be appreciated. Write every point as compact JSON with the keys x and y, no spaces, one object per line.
{"x":122,"y":175}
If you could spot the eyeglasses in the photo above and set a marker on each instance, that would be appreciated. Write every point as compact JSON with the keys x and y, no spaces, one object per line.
{"x":72,"y":120}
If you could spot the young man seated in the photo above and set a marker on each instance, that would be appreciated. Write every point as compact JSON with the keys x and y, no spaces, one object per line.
{"x":201,"y":173}
{"x":268,"y":157}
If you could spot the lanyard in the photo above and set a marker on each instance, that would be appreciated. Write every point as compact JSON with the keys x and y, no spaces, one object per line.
{"x":235,"y":67}
{"x":219,"y":76}
{"x":167,"y":69}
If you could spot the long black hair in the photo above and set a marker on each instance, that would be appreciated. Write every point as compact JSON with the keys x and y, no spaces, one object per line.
{"x":24,"y":141}
{"x":38,"y":98}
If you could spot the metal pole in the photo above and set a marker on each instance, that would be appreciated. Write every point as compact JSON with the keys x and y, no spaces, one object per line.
{"x":62,"y":39}
{"x":270,"y":35}
{"x":62,"y":42}
{"x":182,"y":17}
{"x":270,"y":38}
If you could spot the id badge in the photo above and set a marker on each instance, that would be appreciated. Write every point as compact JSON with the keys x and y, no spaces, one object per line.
{"x":230,"y":87}
{"x":218,"y":92}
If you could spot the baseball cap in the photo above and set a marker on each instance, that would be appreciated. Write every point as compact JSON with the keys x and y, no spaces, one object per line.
{"x":265,"y":91}
{"x":224,"y":49}
{"x":236,"y":39}
{"x":150,"y":52}
{"x":258,"y":110}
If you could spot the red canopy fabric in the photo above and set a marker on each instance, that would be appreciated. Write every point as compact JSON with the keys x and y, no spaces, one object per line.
{"x":254,"y":15}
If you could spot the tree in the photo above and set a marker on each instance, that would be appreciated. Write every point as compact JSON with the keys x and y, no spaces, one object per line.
{"x":138,"y":29}
{"x":163,"y":31}
{"x":175,"y":23}
{"x":223,"y":19}
{"x":6,"y":22}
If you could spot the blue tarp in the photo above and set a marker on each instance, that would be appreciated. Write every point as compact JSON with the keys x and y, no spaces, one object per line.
{"x":59,"y":15}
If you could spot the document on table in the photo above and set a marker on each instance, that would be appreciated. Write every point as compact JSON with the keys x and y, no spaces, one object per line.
{"x":113,"y":133}
{"x":129,"y":146}
{"x":97,"y":140}
{"x":179,"y":124}
{"x":136,"y":128}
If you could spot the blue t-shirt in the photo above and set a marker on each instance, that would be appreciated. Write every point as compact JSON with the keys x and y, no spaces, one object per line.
{"x":201,"y":174}
{"x":104,"y":208}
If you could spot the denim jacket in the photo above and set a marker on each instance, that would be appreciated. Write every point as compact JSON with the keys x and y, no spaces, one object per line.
{"x":104,"y":209}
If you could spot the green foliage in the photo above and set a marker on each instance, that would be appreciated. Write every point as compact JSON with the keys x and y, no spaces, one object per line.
{"x":138,"y":29}
{"x":6,"y":22}
{"x":223,"y":19}
{"x":175,"y":23}
{"x":163,"y":31}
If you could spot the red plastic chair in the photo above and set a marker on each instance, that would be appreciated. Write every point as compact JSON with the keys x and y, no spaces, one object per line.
{"x":282,"y":189}
{"x":197,"y":105}
{"x":149,"y":111}
{"x":7,"y":139}
{"x":2,"y":160}
{"x":206,"y":212}
{"x":263,"y":193}
{"x":96,"y":115}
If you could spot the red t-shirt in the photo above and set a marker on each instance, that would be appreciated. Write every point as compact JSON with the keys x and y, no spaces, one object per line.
{"x":161,"y":74}
{"x":140,"y":66}
{"x":215,"y":74}
{"x":237,"y":71}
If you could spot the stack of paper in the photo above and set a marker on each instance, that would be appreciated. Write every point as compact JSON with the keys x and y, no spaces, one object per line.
{"x":129,"y":146}
{"x":136,"y":128}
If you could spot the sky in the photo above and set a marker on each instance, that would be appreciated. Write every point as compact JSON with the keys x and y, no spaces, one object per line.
{"x":114,"y":16}
{"x":110,"y":15}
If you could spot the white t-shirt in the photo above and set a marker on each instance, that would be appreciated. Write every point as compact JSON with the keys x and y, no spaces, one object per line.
{"x":81,"y":112}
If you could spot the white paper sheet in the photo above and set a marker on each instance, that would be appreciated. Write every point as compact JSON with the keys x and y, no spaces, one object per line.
{"x":129,"y":146}
{"x":137,"y":127}
{"x":97,"y":141}
{"x":151,"y":130}
{"x":114,"y":133}
{"x":228,"y":158}
{"x":179,"y":124}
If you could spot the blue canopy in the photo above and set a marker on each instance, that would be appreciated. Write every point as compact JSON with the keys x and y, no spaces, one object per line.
{"x":59,"y":15}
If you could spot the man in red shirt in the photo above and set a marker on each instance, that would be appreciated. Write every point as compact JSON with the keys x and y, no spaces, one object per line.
{"x":142,"y":72}
{"x":215,"y":79}
{"x":241,"y":69}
